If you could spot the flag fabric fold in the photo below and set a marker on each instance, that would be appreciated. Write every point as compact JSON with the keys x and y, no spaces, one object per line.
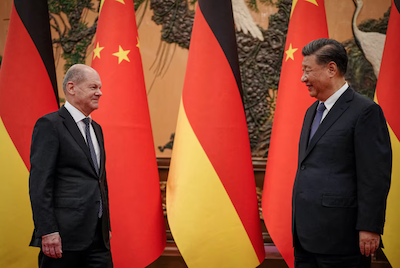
{"x":387,"y":96}
{"x":211,"y":198}
{"x":28,"y":90}
{"x":137,"y":221}
{"x":307,"y":23}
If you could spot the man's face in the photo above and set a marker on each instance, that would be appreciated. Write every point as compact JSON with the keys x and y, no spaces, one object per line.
{"x":88,"y":93}
{"x":315,"y":77}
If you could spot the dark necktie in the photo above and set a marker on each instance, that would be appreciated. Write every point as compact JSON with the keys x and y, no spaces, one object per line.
{"x":93,"y":155}
{"x":317,"y":119}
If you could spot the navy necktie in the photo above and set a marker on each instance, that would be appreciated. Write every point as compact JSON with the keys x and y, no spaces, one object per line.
{"x":317,"y":119}
{"x":93,"y":155}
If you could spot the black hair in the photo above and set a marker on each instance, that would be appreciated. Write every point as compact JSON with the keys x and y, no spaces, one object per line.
{"x":327,"y":50}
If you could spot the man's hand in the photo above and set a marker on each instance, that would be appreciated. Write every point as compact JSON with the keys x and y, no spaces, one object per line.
{"x":51,"y":245}
{"x":369,"y":242}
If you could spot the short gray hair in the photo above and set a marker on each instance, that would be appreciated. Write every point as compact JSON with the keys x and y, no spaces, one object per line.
{"x":75,"y":74}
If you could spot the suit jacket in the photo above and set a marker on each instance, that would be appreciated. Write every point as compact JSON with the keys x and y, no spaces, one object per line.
{"x":63,"y":185}
{"x":343,"y":176}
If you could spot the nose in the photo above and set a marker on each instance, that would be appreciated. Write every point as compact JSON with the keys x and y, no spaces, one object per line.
{"x":99,"y":92}
{"x":303,"y":78}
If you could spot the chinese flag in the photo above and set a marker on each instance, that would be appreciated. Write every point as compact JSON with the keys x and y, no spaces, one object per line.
{"x":211,"y":198}
{"x":137,"y":221}
{"x":28,"y":90}
{"x":388,"y":97}
{"x":307,"y":23}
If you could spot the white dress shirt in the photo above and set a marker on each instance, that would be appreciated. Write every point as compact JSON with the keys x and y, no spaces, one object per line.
{"x":78,"y":117}
{"x":332,"y":99}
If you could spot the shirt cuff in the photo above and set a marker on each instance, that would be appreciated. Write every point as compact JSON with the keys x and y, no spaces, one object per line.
{"x":51,"y":234}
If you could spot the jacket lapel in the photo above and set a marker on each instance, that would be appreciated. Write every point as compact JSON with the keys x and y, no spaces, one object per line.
{"x":72,"y":127}
{"x":305,"y":131}
{"x":99,"y":136}
{"x":334,"y":114}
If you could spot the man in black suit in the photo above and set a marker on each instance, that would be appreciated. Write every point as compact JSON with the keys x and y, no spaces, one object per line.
{"x":67,"y":182}
{"x":344,"y":167}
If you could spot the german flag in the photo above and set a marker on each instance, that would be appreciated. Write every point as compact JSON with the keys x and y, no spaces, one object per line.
{"x":211,"y":198}
{"x":28,"y":91}
{"x":307,"y":23}
{"x":137,"y":220}
{"x":388,"y":97}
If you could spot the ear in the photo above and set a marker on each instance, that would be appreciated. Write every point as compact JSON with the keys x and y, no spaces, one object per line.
{"x":71,"y":88}
{"x":332,"y":69}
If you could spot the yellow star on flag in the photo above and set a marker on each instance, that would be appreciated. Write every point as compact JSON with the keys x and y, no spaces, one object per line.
{"x":96,"y":51}
{"x":122,"y":55}
{"x":290,"y":52}
{"x":313,"y":2}
{"x":121,"y":1}
{"x":295,"y":2}
{"x":138,"y":43}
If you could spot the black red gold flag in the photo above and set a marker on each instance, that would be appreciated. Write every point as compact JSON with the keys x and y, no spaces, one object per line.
{"x":388,"y":97}
{"x":211,"y":199}
{"x":27,"y":91}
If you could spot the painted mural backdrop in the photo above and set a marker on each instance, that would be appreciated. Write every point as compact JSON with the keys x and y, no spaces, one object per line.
{"x":260,"y":49}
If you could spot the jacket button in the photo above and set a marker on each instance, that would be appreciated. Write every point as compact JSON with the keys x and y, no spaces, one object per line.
{"x":303,"y":167}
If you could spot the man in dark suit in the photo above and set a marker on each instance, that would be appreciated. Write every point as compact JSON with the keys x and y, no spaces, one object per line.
{"x":344,"y":167}
{"x":67,"y":182}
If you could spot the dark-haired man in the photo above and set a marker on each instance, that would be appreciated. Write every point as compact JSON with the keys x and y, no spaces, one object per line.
{"x":67,"y":182}
{"x":344,"y":167}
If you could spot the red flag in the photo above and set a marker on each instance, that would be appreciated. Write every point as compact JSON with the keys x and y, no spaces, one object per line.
{"x":211,"y":198}
{"x":28,"y":90}
{"x":388,"y":96}
{"x":137,"y":221}
{"x":307,"y":23}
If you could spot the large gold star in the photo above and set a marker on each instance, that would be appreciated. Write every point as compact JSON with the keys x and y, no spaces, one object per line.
{"x":96,"y":51}
{"x":121,"y":1}
{"x":295,"y":2}
{"x":122,"y":55}
{"x":290,"y":52}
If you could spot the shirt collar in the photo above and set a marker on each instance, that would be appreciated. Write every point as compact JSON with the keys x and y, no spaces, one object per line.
{"x":335,"y":96}
{"x":76,"y":114}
